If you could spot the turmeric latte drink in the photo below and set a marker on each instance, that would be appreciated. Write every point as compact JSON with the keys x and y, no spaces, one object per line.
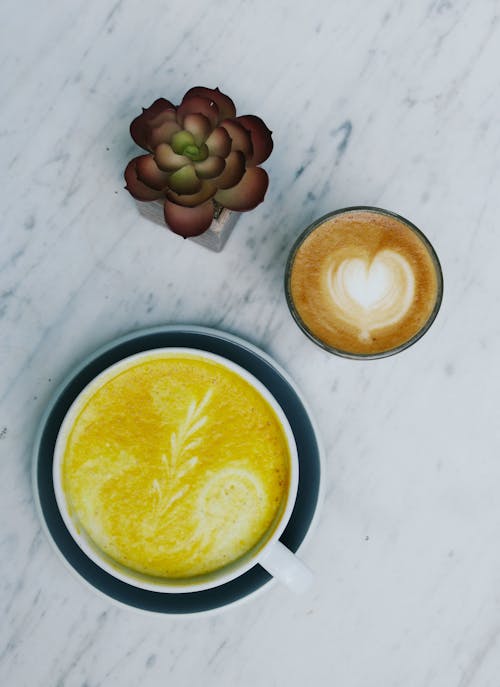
{"x":175,"y":466}
{"x":364,"y":282}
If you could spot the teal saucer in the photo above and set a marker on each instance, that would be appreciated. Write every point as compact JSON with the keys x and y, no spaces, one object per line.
{"x":281,"y":387}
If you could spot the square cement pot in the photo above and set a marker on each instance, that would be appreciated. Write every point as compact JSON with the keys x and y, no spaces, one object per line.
{"x":214,"y":238}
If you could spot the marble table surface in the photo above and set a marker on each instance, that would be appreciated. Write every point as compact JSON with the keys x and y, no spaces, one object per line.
{"x":386,"y":103}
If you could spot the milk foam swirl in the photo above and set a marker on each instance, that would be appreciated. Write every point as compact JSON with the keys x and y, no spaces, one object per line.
{"x":229,"y":507}
{"x":370,"y":294}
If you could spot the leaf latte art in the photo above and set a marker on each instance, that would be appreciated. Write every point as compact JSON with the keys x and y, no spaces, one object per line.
{"x":371,"y":295}
{"x":176,"y":466}
{"x":363,"y":282}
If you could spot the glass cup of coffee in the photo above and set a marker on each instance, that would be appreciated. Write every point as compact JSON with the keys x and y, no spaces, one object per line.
{"x":363,"y":283}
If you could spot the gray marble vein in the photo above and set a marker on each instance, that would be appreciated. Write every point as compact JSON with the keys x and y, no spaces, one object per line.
{"x":388,"y":103}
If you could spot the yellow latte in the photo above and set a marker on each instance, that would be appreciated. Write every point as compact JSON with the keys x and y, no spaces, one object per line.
{"x":176,"y":466}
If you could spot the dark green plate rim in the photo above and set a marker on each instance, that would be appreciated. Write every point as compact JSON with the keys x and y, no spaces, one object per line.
{"x":279,"y":384}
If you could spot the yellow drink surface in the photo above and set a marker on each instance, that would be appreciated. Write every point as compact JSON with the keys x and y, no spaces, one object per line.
{"x":176,"y":466}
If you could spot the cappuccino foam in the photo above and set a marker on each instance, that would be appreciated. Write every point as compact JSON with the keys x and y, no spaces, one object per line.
{"x":363,"y":282}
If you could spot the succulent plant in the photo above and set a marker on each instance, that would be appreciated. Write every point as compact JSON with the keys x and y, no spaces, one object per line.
{"x":200,"y":155}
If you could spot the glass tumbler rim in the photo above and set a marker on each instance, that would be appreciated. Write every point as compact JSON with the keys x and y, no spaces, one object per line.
{"x":337,"y":351}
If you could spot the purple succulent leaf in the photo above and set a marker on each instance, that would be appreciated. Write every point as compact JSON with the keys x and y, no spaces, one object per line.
{"x":150,"y":174}
{"x":135,"y":187}
{"x":226,"y":106}
{"x":195,"y":104}
{"x":162,"y":133}
{"x":234,"y":170}
{"x":199,"y":126}
{"x":261,"y":136}
{"x":140,"y":127}
{"x":184,"y":180}
{"x":167,"y":159}
{"x":207,"y":191}
{"x":169,"y":114}
{"x":210,"y":168}
{"x":219,"y":142}
{"x":187,"y":221}
{"x":240,"y":137}
{"x":248,"y":193}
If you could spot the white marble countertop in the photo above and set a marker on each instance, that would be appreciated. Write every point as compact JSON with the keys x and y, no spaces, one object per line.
{"x":383,"y":103}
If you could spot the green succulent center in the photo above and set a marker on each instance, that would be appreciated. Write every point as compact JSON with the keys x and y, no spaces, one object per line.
{"x":183,"y":143}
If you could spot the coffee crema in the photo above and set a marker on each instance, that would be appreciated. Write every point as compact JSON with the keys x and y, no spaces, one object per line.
{"x":176,"y":466}
{"x":364,"y":282}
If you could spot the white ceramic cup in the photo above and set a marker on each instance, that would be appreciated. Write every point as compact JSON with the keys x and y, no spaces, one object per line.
{"x":271,"y":554}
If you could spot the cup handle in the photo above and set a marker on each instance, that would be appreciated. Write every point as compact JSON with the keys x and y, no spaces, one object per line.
{"x":284,"y":565}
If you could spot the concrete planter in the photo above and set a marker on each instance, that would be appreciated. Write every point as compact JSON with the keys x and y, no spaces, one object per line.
{"x":216,"y":235}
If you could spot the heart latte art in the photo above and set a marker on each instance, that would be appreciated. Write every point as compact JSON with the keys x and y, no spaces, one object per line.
{"x":371,"y":295}
{"x":364,"y":282}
